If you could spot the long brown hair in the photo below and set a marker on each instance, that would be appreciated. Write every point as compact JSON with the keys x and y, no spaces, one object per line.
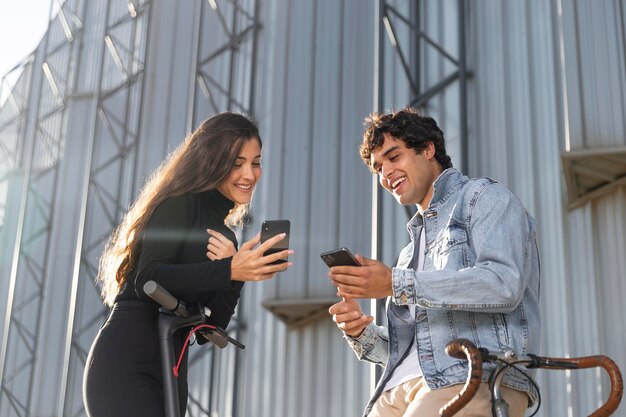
{"x":201,"y":163}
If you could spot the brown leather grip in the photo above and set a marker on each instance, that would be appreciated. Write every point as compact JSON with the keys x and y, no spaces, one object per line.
{"x":464,"y":349}
{"x":615,"y":376}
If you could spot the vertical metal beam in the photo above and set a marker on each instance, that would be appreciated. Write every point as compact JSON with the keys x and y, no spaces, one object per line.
{"x":13,"y":328}
{"x":251,"y":108}
{"x":26,"y":151}
{"x":413,"y":72}
{"x":123,"y":138}
{"x":8,"y":318}
{"x":385,"y":10}
{"x":232,"y":60}
{"x":377,"y":306}
{"x":240,"y":27}
{"x":463,"y":85}
{"x":191,"y":101}
{"x":71,"y":319}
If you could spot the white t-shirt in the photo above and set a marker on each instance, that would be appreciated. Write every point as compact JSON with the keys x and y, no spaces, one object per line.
{"x":409,"y":368}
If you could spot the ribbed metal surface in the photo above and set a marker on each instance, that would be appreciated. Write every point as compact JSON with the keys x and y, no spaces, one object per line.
{"x":315,"y":86}
{"x":547,"y":77}
{"x":595,"y":78}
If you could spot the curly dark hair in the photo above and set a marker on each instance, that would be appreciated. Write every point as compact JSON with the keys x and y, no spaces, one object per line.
{"x":416,"y":131}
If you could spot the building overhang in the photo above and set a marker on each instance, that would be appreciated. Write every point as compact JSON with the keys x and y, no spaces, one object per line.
{"x":592,"y":173}
{"x":298,"y":312}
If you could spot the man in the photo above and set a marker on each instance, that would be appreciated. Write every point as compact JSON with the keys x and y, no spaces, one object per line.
{"x":471,"y":270}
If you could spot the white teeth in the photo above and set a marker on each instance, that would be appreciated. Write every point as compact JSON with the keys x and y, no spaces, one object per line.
{"x":243,"y":187}
{"x":398,"y":181}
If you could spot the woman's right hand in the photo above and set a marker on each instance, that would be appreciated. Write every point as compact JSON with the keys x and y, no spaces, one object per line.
{"x":249,"y":263}
{"x":219,"y":246}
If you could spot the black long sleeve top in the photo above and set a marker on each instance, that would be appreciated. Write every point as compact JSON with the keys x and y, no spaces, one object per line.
{"x":173,"y":254}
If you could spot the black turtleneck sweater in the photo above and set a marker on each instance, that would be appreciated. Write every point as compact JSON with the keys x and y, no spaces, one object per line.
{"x":173,"y":254}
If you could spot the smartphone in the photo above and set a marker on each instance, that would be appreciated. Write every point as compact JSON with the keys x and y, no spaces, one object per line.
{"x":271,"y":228}
{"x":339,"y":257}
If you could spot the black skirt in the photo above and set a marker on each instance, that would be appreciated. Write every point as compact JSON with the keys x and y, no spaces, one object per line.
{"x":123,"y":374}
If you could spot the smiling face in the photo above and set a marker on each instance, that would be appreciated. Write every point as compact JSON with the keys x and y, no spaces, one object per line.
{"x":243,"y":176}
{"x":409,"y":176}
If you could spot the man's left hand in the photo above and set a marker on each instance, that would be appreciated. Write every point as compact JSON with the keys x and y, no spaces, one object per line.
{"x":370,"y":280}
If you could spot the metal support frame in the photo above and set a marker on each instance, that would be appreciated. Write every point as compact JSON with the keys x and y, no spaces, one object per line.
{"x":107,"y":186}
{"x":32,"y":249}
{"x":12,"y":156}
{"x":410,"y":52}
{"x":217,"y":89}
{"x":109,"y":175}
{"x":13,"y":119}
{"x":224,"y":81}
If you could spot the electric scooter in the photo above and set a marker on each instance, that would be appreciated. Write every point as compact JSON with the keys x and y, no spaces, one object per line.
{"x":174,"y":315}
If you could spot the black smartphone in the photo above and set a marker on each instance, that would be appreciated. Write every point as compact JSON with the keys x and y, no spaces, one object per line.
{"x":339,"y":257}
{"x":271,"y":228}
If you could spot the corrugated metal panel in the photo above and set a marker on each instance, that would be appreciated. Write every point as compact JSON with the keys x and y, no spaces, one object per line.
{"x":314,"y":82}
{"x":15,"y":146}
{"x":315,"y":77}
{"x":595,"y":80}
{"x":522,"y":102}
{"x":515,"y":140}
{"x":594,"y":51}
{"x":33,"y":250}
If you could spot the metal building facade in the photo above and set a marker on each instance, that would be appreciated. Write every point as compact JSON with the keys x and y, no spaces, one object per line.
{"x":553,"y":81}
{"x":114,"y":85}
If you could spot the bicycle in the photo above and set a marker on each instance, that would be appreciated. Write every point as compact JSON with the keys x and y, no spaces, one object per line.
{"x":465,"y":349}
{"x":175,"y":315}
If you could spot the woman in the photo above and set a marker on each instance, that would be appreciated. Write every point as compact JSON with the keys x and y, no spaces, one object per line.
{"x":205,"y":185}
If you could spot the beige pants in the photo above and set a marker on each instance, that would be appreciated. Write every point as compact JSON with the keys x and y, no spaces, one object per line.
{"x":414,"y":399}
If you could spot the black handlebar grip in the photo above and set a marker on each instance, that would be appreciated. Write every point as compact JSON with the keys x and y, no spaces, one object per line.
{"x":163,"y":297}
{"x":217,"y":338}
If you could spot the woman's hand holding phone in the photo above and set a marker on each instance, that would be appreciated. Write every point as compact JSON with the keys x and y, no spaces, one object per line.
{"x":251,"y":264}
{"x":271,"y":228}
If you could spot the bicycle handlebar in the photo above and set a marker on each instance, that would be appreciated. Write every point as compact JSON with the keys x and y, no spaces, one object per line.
{"x":464,"y":349}
{"x":595,"y":361}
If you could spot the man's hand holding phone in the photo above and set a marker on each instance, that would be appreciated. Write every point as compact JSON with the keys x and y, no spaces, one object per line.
{"x":371,"y":279}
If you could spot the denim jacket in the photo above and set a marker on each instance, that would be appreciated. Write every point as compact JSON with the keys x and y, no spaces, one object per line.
{"x":480,"y":282}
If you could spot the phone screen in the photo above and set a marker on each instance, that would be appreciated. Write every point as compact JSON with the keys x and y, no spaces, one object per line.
{"x":271,"y":228}
{"x":339,"y":257}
